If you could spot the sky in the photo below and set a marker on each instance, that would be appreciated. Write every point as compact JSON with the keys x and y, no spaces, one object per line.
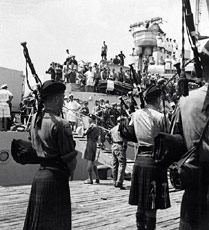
{"x":51,"y":26}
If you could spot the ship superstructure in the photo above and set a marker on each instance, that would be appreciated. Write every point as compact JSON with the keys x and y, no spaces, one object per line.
{"x":154,"y":52}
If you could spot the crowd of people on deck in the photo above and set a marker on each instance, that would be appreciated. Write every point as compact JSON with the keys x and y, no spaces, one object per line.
{"x":27,"y":105}
{"x":86,"y":74}
{"x":169,"y":54}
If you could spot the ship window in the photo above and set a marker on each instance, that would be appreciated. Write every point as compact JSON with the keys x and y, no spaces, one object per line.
{"x":4,"y":156}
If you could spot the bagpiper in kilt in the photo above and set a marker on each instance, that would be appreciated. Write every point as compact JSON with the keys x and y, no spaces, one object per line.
{"x":189,"y":120}
{"x":49,"y":205}
{"x":149,"y":184}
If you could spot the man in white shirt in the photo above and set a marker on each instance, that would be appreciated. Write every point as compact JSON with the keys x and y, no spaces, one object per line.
{"x":90,"y":79}
{"x":5,"y":106}
{"x":72,"y":107}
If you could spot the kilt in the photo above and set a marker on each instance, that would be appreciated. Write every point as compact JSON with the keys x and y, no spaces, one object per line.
{"x":90,"y":151}
{"x":49,"y":205}
{"x":195,"y":204}
{"x":149,"y":185}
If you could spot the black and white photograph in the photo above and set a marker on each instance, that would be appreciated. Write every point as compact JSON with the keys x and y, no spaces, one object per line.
{"x":104,"y":115}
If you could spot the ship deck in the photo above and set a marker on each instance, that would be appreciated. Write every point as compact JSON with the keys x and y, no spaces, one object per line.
{"x":93,"y":207}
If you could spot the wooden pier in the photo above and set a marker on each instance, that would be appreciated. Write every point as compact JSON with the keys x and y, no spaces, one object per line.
{"x":99,"y":207}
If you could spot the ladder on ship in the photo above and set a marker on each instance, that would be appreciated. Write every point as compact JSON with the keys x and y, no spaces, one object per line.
{"x":29,"y":119}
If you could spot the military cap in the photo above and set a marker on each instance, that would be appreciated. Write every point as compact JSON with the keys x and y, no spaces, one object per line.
{"x":204,"y":55}
{"x":52,"y":87}
{"x":4,"y":86}
{"x":152,"y":92}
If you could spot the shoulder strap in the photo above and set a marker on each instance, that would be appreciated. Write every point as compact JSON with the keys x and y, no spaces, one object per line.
{"x":203,"y":132}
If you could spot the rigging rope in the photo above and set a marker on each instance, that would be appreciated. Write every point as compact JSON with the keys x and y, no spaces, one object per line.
{"x":183,"y":38}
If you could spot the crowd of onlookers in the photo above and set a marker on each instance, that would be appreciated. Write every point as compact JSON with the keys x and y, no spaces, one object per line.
{"x":107,"y":113}
{"x":84,"y":73}
{"x":87,"y":75}
{"x":168,"y":54}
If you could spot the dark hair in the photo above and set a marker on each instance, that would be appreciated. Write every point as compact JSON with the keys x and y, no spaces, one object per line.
{"x":151,"y":100}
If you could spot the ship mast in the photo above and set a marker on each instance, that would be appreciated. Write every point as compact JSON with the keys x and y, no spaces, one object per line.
{"x":198,"y":7}
{"x":197,"y":15}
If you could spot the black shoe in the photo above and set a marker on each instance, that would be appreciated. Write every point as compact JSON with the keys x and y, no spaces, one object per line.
{"x":97,"y":181}
{"x":122,"y":188}
{"x":119,"y":185}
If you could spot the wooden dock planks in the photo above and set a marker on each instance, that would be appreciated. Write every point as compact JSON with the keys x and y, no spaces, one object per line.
{"x":93,"y":207}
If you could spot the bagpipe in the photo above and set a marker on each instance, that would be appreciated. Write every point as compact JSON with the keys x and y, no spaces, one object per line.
{"x":188,"y":21}
{"x":139,"y":88}
{"x":127,"y":131}
{"x":164,"y":153}
{"x":33,"y":71}
{"x":22,"y":150}
{"x":37,"y":91}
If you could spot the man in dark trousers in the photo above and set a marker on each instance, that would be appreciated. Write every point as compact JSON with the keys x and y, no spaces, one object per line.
{"x":104,"y":51}
{"x":119,"y":146}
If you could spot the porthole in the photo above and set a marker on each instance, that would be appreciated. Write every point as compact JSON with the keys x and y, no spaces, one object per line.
{"x":4,"y":156}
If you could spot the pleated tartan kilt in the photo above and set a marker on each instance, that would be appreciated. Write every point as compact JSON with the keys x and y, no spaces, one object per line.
{"x":149,"y":185}
{"x":49,"y":206}
{"x":195,"y":204}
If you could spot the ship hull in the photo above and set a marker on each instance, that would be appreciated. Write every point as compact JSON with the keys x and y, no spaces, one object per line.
{"x":12,"y":173}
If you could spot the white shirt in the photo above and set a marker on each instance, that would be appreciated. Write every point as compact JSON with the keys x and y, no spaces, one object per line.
{"x":72,"y":106}
{"x":5,"y":95}
{"x":115,"y":134}
{"x":148,"y":123}
{"x":89,"y":78}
